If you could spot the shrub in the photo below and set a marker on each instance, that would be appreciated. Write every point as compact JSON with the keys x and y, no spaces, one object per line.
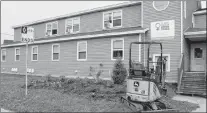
{"x":62,"y":78}
{"x":100,"y":71}
{"x":91,"y":71}
{"x":119,"y":72}
{"x":48,"y":78}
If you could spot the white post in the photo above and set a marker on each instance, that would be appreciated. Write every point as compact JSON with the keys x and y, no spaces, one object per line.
{"x":26,"y":67}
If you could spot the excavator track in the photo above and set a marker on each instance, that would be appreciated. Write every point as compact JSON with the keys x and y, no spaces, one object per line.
{"x":146,"y":107}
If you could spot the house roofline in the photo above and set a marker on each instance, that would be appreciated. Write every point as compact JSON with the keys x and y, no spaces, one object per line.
{"x":199,"y":12}
{"x":81,"y":37}
{"x":195,"y":33}
{"x":80,"y":13}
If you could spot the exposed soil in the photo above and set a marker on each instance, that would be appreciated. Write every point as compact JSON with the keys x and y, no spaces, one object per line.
{"x":104,"y":90}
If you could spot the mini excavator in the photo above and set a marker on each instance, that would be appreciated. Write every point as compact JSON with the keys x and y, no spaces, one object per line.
{"x":146,"y":86}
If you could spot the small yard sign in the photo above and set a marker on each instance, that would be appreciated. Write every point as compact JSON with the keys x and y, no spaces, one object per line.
{"x":27,"y":36}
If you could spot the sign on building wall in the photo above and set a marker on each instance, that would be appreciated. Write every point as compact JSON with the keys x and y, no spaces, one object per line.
{"x":27,"y":34}
{"x":163,"y":29}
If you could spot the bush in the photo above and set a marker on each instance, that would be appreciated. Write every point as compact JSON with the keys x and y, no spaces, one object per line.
{"x":48,"y":78}
{"x":62,"y":78}
{"x":119,"y":72}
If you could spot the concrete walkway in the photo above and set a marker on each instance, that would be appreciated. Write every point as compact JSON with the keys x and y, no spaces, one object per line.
{"x":197,"y":100}
{"x":3,"y":110}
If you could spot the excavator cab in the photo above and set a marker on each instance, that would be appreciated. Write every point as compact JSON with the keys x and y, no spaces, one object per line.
{"x":137,"y":69}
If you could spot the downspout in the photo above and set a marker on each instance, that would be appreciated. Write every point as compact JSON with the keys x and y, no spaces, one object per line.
{"x":142,"y":25}
{"x":181,"y":20}
{"x":193,"y":20}
{"x":142,"y":14}
{"x":144,"y":50}
{"x":139,"y":48}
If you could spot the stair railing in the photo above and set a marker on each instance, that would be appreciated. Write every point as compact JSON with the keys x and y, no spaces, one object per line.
{"x":180,"y":72}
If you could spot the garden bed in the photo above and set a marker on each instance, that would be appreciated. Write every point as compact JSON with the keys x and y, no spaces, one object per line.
{"x":104,"y":89}
{"x":49,"y":94}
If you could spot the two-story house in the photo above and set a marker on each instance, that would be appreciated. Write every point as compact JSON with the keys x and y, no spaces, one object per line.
{"x":71,"y":44}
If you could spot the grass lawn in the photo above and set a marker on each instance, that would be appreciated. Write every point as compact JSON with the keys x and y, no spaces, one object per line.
{"x":43,"y":100}
{"x":66,"y":98}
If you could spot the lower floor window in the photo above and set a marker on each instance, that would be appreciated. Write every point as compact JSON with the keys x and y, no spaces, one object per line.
{"x":166,"y":57}
{"x":17,"y":57}
{"x":35,"y":53}
{"x":55,"y":52}
{"x":17,"y":54}
{"x":117,"y":49}
{"x":3,"y":55}
{"x":82,"y":50}
{"x":34,"y":56}
{"x":117,"y":54}
{"x":82,"y":55}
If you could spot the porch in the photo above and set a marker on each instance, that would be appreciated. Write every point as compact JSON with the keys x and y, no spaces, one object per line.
{"x":192,"y":68}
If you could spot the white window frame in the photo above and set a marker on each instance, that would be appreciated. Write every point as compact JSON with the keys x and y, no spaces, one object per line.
{"x":2,"y":55}
{"x":160,"y":9}
{"x":51,"y":28}
{"x":16,"y":54}
{"x":80,"y":51}
{"x":72,"y":25}
{"x":168,"y":55}
{"x":113,"y":18}
{"x":32,"y":52}
{"x":112,"y":47}
{"x":59,"y":52}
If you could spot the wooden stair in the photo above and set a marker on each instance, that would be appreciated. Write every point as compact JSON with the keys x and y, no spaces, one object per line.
{"x":193,"y":83}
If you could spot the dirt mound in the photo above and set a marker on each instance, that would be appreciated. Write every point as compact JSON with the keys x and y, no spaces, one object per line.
{"x":104,"y":89}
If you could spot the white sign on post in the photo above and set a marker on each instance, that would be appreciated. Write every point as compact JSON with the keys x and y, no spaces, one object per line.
{"x":163,"y":29}
{"x":27,"y":36}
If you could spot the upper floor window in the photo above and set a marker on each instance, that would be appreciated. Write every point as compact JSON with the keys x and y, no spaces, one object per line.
{"x":160,"y":5}
{"x":17,"y":54}
{"x":117,"y":49}
{"x":82,"y":51}
{"x":112,"y":19}
{"x":3,"y":55}
{"x":55,"y":52}
{"x":51,"y":28}
{"x":203,"y":4}
{"x":34,"y":53}
{"x":72,"y":25}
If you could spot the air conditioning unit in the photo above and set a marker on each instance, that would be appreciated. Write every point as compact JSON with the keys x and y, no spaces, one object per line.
{"x":68,"y":30}
{"x":47,"y":34}
{"x":108,"y":25}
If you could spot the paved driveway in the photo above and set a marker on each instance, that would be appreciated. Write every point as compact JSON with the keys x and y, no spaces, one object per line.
{"x":197,"y":100}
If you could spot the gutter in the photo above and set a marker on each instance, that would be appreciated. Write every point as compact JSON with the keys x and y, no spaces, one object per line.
{"x":200,"y":12}
{"x":195,"y":33}
{"x":125,"y":4}
{"x":80,"y":37}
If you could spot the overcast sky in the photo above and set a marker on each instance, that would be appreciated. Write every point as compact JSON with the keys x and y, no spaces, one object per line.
{"x":20,"y":12}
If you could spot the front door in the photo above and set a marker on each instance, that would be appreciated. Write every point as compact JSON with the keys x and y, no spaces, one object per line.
{"x":198,"y":57}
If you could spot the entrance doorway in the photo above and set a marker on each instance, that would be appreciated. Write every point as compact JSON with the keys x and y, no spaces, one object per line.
{"x":198,"y":57}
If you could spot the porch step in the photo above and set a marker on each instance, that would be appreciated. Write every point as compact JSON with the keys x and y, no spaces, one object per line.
{"x":194,"y":79}
{"x":194,"y":74}
{"x":193,"y":83}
